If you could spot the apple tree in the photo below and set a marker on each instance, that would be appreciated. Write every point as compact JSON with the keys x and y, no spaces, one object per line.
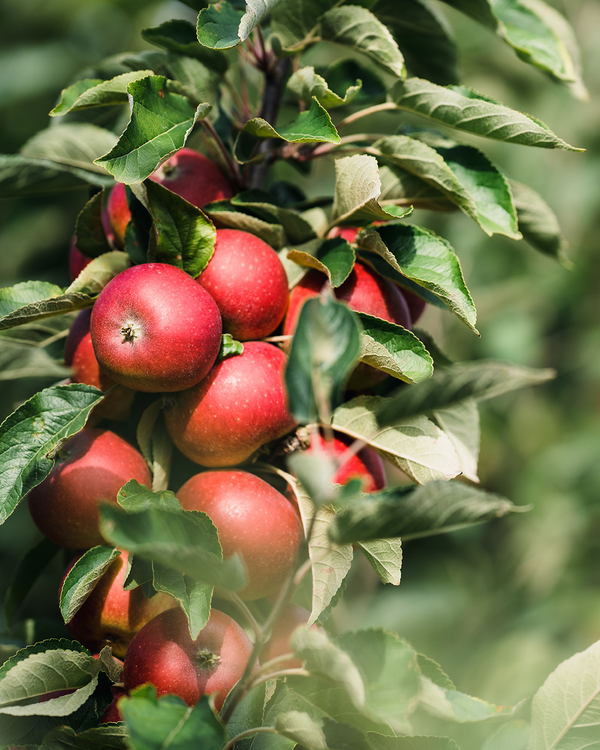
{"x":363,"y":104}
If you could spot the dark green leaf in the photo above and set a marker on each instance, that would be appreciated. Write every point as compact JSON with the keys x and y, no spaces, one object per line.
{"x":425,"y":258}
{"x":416,"y":446}
{"x":183,"y":541}
{"x":185,"y":235}
{"x":179,"y":36}
{"x":82,"y":578}
{"x":458,"y":383}
{"x":89,"y":229}
{"x":218,"y":26}
{"x":153,"y":723}
{"x":311,"y":126}
{"x":388,"y":665}
{"x":28,"y":570}
{"x":148,"y":141}
{"x":465,"y":109}
{"x":226,"y":214}
{"x":31,"y":433}
{"x":248,"y":713}
{"x":423,"y":36}
{"x":296,"y":24}
{"x":194,"y":597}
{"x":105,"y":737}
{"x":358,"y":28}
{"x":297,"y":230}
{"x":344,"y":736}
{"x":538,"y":223}
{"x":27,"y":175}
{"x":343,"y":74}
{"x":435,"y":508}
{"x":393,"y":349}
{"x":91,"y":92}
{"x":336,"y":259}
{"x":324,"y":351}
{"x":305,"y":83}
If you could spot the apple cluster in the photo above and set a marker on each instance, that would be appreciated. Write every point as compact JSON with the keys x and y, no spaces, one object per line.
{"x":155,"y":329}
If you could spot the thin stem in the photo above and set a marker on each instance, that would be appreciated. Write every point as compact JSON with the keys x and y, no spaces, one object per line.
{"x":278,"y":339}
{"x":231,"y":163}
{"x":248,"y":733}
{"x":325,"y":148}
{"x":365,"y":112}
{"x":243,"y":607}
{"x":268,"y":665}
{"x":274,"y":675}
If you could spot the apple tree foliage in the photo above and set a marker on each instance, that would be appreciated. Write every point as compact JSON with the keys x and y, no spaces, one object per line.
{"x":240,"y":78}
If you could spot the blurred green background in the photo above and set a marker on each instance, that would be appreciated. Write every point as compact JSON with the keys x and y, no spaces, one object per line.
{"x":499,"y":606}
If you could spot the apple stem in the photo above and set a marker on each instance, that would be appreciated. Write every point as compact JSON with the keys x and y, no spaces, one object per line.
{"x":243,"y":607}
{"x":206,"y":658}
{"x":128,"y":333}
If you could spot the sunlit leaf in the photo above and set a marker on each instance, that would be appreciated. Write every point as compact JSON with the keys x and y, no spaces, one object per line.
{"x":311,"y":126}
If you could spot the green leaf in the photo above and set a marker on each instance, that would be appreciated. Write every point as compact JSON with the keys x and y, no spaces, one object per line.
{"x":465,"y":109}
{"x":294,"y":24}
{"x":296,"y":229}
{"x":74,"y":144}
{"x":325,"y":660}
{"x":431,"y":669}
{"x":149,"y":141}
{"x":301,"y":728}
{"x":90,"y":282}
{"x":389,"y":667}
{"x":453,"y":705}
{"x":179,"y":36}
{"x":416,"y":446}
{"x":358,"y":28}
{"x":401,"y":188}
{"x":89,"y":229}
{"x":393,"y":349}
{"x":426,"y":259}
{"x":411,"y":513}
{"x":330,"y":565}
{"x":229,"y":347}
{"x":92,"y":92}
{"x":335,"y":258}
{"x":24,"y":359}
{"x":305,"y":83}
{"x":153,"y":724}
{"x":458,"y":383}
{"x":226,"y":214}
{"x":461,"y":424}
{"x":32,"y":432}
{"x":248,"y":713}
{"x":357,"y":189}
{"x":27,"y":572}
{"x":311,"y":126}
{"x":538,"y":223}
{"x":104,"y":737}
{"x":194,"y":597}
{"x":218,"y":26}
{"x":30,"y":176}
{"x":513,"y":735}
{"x":414,"y":742}
{"x":424,"y":38}
{"x":567,"y":717}
{"x":183,"y":541}
{"x":82,"y":578}
{"x":385,"y":557}
{"x":324,"y":351}
{"x":185,"y":236}
{"x":256,"y":10}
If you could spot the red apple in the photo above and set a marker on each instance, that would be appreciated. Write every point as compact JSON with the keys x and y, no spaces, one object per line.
{"x":113,"y":712}
{"x":111,"y":616}
{"x":366,"y":464}
{"x":253,"y":519}
{"x":91,"y":468}
{"x":79,"y":354}
{"x":346,"y":233}
{"x":155,"y":329}
{"x":364,"y":291}
{"x":191,"y":175}
{"x":293,"y":617}
{"x":238,"y":407}
{"x":249,"y":284}
{"x":77,"y":260}
{"x":164,"y":654}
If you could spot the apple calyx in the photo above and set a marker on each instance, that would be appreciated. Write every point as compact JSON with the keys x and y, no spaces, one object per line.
{"x":207,"y":659}
{"x":130,"y":332}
